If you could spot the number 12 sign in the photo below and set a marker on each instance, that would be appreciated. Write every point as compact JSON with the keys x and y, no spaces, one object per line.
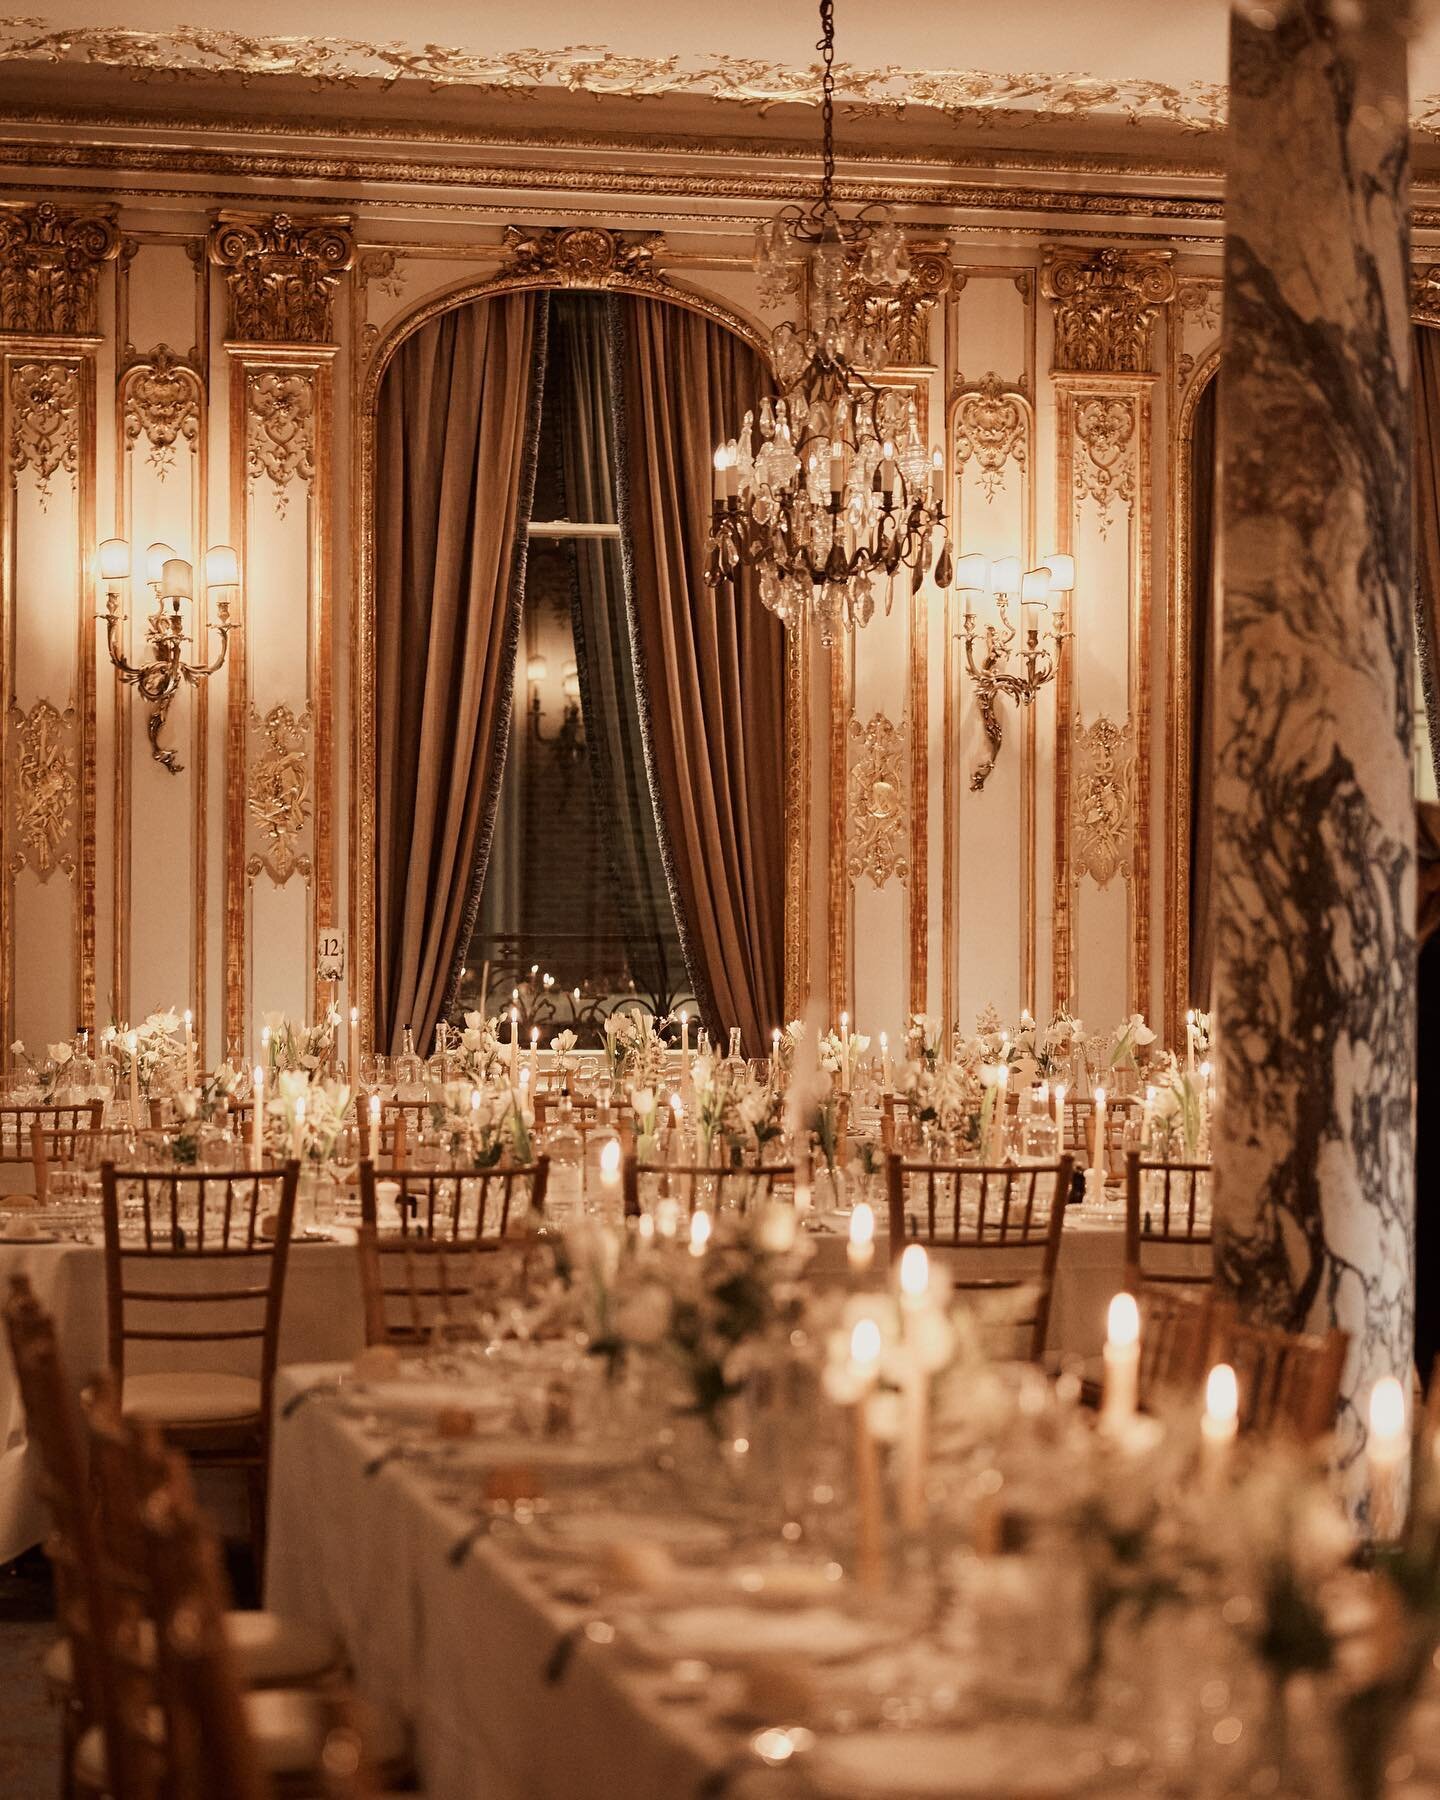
{"x":330,"y":954}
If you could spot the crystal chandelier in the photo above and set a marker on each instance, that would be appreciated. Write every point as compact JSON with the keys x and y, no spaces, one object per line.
{"x":841,"y":492}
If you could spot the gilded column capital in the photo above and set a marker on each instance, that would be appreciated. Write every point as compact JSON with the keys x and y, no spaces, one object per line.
{"x":281,"y":273}
{"x":1106,"y":305}
{"x":50,"y":259}
{"x":898,"y":316}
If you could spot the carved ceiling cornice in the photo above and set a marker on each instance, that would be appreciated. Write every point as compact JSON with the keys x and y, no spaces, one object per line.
{"x":281,"y":273}
{"x":583,"y":256}
{"x":1106,"y":305}
{"x":50,"y":257}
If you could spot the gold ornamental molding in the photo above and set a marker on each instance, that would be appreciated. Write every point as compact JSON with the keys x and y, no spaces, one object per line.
{"x":902,"y":313}
{"x":45,"y":784}
{"x":877,"y":809}
{"x":280,"y":430}
{"x":1105,"y":432}
{"x":1106,"y":305}
{"x":1104,"y":827}
{"x":50,"y":259}
{"x":162,"y":405}
{"x":990,"y":424}
{"x":580,"y":256}
{"x":281,"y":273}
{"x":1197,"y":304}
{"x":44,"y":423}
{"x":278,"y":793}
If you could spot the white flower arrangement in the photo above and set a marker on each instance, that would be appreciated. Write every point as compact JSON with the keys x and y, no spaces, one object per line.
{"x":157,"y":1051}
{"x":1127,"y":1040}
{"x":297,"y":1046}
{"x":326,"y":1107}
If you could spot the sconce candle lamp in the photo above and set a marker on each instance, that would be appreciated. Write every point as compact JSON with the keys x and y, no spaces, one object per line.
{"x":171,"y":580}
{"x":1043,"y":627}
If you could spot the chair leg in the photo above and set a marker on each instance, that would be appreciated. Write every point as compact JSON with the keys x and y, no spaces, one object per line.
{"x":255,"y":1484}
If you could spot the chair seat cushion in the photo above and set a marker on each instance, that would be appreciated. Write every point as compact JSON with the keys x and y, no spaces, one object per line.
{"x":191,"y":1397}
{"x":270,"y":1651}
{"x":289,"y":1728}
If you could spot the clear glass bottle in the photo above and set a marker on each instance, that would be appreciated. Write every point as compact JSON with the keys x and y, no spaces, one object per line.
{"x":409,"y":1071}
{"x":735,"y":1071}
{"x":565,"y":1189}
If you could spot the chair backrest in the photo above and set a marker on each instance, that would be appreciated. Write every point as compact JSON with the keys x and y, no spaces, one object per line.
{"x":202,"y":1261}
{"x":18,"y":1125}
{"x":1166,"y":1204}
{"x":110,"y":1677}
{"x":1176,"y":1323}
{"x":209,"y":1751}
{"x":419,"y":1251}
{"x":999,"y":1225}
{"x":1288,"y":1381}
{"x":734,"y":1189}
{"x":392,"y":1131}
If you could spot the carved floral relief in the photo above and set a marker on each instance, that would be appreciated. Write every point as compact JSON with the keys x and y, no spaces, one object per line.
{"x":991,"y":427}
{"x":280,"y":430}
{"x":1105,"y":454}
{"x":44,"y":422}
{"x":878,"y":809}
{"x":44,"y":788}
{"x":1104,"y":827}
{"x":162,"y":405}
{"x":278,"y":793}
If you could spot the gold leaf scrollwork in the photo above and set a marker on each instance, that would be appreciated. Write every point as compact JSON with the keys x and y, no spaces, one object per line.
{"x":585,"y":256}
{"x":44,"y":422}
{"x":281,"y":273}
{"x":277,"y":793}
{"x":162,"y":405}
{"x":1425,"y":294}
{"x":900,"y":315}
{"x":50,"y":259}
{"x":992,"y":428}
{"x":1106,"y":305}
{"x":878,"y":806}
{"x":1104,"y":800}
{"x":1105,"y":468}
{"x":45,"y":786}
{"x":280,"y":433}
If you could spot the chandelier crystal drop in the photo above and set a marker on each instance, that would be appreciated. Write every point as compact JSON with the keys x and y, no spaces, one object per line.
{"x":829,"y":491}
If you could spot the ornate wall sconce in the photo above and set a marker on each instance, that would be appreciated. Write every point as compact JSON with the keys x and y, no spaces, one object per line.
{"x":566,"y":745}
{"x":172,"y":581}
{"x":1041,"y":592}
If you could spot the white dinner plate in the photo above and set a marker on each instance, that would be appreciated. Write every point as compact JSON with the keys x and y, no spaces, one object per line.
{"x":589,"y":1532}
{"x":736,"y":1634}
{"x":998,"y":1762}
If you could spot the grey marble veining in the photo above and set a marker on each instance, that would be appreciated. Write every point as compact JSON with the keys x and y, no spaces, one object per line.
{"x":1314,"y":812}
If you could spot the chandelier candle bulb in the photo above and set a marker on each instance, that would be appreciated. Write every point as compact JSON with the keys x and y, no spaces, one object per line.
{"x":937,"y":479}
{"x":721,"y":458}
{"x":1219,"y":1423}
{"x":373,"y":1127}
{"x":1122,"y":1364}
{"x":1387,"y":1452}
{"x":189,"y":1048}
{"x":860,"y":1251}
{"x":354,"y":1069}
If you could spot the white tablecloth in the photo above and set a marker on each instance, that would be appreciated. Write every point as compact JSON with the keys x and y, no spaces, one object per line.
{"x":322,"y":1319}
{"x":467,"y":1653}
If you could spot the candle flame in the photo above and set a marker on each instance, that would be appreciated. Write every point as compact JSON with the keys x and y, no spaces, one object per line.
{"x":700,"y":1229}
{"x":862,"y":1224}
{"x":610,"y":1161}
{"x":914,"y":1271}
{"x":1222,"y":1395}
{"x":1387,"y":1408}
{"x":1124,"y":1322}
{"x":865,"y":1343}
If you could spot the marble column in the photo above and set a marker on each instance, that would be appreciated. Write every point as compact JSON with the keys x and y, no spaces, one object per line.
{"x":1314,"y":814}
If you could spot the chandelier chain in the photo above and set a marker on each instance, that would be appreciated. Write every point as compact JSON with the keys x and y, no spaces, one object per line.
{"x":826,"y":47}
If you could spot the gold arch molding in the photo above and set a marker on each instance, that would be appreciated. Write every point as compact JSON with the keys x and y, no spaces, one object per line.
{"x":589,"y":259}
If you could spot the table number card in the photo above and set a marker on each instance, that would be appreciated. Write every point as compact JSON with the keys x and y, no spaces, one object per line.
{"x":330,"y":954}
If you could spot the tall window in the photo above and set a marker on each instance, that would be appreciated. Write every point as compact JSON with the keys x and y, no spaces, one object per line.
{"x":575,"y":888}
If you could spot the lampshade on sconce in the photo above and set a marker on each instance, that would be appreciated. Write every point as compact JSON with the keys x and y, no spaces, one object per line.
{"x":114,"y":560}
{"x":536,"y":669}
{"x":177,"y":579}
{"x":156,"y":558}
{"x":222,"y":567}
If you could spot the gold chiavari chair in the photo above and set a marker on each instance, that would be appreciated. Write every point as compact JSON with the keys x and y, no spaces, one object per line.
{"x":17,"y":1141}
{"x":424,"y":1264}
{"x":58,"y":1153}
{"x":1176,"y":1324}
{"x":1121,"y":1113}
{"x":392,"y":1129}
{"x":103,"y":1687}
{"x":202,"y":1270}
{"x":1167,"y":1206}
{"x":998,"y":1226}
{"x":894,"y":1116}
{"x":1288,"y":1381}
{"x":735,"y":1188}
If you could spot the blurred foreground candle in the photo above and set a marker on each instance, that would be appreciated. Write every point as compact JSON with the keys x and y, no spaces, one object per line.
{"x":700,"y":1229}
{"x":189,"y":1048}
{"x":610,"y":1164}
{"x":1122,"y":1363}
{"x":861,"y":1249}
{"x":1218,"y":1423}
{"x":1387,"y":1451}
{"x":257,"y":1116}
{"x":373,"y":1127}
{"x":914,"y":1425}
{"x":865,"y":1347}
{"x":514,"y":1046}
{"x":354,"y":1069}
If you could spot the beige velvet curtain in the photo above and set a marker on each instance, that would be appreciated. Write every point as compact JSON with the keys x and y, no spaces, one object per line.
{"x":710,"y":667}
{"x":454,"y":476}
{"x":1426,"y":389}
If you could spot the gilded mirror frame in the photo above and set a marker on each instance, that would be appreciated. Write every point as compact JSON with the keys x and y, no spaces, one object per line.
{"x":362,"y":819}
